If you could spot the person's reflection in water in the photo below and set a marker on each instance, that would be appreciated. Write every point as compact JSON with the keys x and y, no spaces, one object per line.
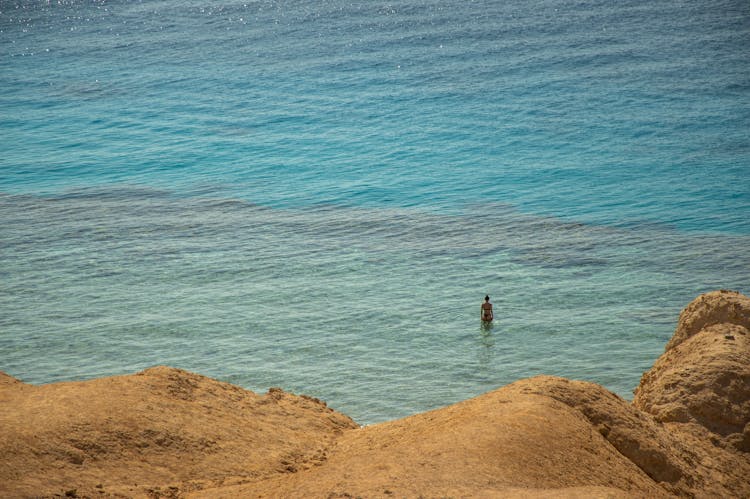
{"x":486,"y":351}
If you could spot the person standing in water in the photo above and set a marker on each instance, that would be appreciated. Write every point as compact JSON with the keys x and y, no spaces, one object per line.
{"x":486,"y":313}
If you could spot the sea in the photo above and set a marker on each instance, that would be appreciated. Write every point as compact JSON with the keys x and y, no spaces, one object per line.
{"x":317,"y":195}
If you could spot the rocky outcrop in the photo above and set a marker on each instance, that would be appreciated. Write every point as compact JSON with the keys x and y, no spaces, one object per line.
{"x":700,"y":387}
{"x":170,"y":433}
{"x":717,"y":307}
{"x":704,"y":380}
{"x":682,"y":460}
{"x":688,"y":427}
{"x":704,"y":375}
{"x":634,"y":434}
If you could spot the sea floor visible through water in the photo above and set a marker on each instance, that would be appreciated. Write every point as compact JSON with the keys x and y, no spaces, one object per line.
{"x":374,"y":310}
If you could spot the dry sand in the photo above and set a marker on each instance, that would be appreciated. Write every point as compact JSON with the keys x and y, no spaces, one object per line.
{"x":165,"y":432}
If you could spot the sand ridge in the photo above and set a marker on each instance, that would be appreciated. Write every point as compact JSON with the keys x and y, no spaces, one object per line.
{"x":165,"y":432}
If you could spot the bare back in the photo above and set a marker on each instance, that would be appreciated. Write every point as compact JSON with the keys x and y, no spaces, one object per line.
{"x":487,"y":314}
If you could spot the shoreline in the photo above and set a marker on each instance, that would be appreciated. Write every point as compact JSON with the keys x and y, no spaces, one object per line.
{"x":165,"y":432}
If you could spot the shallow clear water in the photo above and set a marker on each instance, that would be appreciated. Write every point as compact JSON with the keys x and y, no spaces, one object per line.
{"x":318,"y":196}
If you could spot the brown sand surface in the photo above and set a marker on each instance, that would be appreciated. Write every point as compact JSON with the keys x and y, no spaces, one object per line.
{"x":169,"y":433}
{"x":486,"y":446}
{"x":141,"y":434}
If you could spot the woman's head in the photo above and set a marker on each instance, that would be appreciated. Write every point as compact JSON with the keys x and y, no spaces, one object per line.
{"x":487,"y":298}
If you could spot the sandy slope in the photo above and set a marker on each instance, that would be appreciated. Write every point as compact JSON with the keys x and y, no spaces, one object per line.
{"x":480,"y":447}
{"x":163,"y":426}
{"x":167,"y":433}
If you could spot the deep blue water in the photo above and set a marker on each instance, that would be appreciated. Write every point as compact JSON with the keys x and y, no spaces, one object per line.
{"x":317,"y":195}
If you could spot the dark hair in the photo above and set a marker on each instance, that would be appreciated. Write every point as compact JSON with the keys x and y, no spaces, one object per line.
{"x":487,"y":298}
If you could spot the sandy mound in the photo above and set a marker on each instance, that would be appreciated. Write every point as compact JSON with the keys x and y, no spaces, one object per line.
{"x":170,"y":433}
{"x":140,"y":434}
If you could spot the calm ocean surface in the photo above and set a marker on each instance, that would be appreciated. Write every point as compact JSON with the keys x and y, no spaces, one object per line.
{"x":318,"y":195}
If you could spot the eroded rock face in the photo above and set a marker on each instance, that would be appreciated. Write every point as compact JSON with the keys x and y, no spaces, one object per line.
{"x":703,"y":377}
{"x":684,"y":463}
{"x":634,"y":434}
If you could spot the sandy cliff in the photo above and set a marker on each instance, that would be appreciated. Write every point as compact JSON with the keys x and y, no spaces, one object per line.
{"x":168,"y":433}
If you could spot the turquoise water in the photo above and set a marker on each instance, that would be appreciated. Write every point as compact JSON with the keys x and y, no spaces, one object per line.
{"x":318,"y":196}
